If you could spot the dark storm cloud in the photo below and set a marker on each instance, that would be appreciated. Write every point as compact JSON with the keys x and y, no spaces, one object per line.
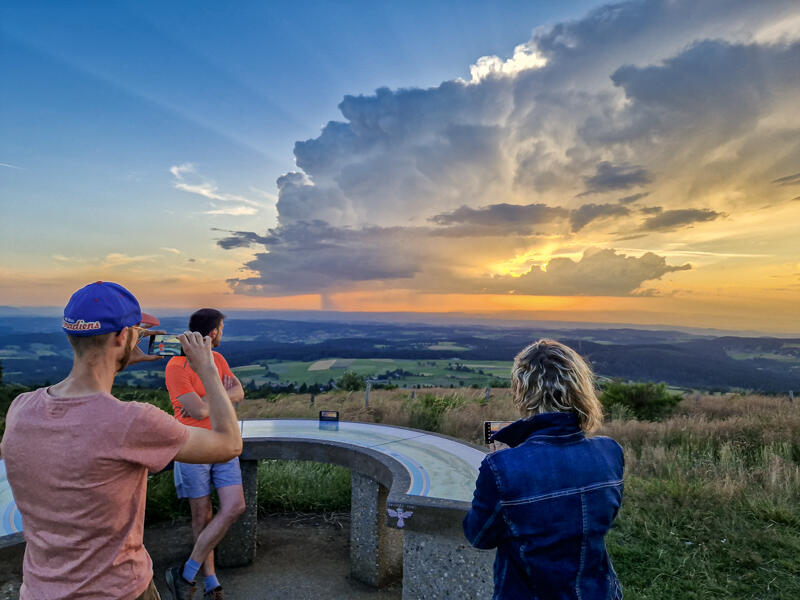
{"x":651,"y":210}
{"x":609,"y":177}
{"x":523,"y":219}
{"x":239,"y":239}
{"x":308,"y":256}
{"x":674,"y":219}
{"x":511,"y":218}
{"x":788,"y":180}
{"x":633,"y":198}
{"x":589,"y":212}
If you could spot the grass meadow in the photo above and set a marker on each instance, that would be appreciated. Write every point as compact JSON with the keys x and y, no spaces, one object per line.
{"x":712,"y":494}
{"x":423,"y":373}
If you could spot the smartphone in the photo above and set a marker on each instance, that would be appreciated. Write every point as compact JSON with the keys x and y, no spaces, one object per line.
{"x":165,"y":345}
{"x":492,"y":427}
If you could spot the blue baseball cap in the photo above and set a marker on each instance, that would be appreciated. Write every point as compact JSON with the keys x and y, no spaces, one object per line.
{"x":100,"y":307}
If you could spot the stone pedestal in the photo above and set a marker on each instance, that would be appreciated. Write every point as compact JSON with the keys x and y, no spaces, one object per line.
{"x":376,"y":552}
{"x":441,"y":565}
{"x":238,"y":547}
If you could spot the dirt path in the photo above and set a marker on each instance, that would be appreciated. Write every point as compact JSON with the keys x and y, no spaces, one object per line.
{"x":299,"y":557}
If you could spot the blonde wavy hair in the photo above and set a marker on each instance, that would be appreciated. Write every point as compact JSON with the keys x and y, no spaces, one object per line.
{"x":548,"y":376}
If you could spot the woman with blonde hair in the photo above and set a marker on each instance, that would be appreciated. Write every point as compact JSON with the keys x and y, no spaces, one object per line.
{"x":546,"y":495}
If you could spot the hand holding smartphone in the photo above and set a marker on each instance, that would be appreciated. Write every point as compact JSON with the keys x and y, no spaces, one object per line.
{"x":492,"y":427}
{"x":165,"y":345}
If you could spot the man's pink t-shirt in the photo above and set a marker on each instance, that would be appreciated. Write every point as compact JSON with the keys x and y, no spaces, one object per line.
{"x":78,"y":470}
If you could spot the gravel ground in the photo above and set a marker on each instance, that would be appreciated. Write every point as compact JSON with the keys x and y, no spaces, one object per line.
{"x":300,"y":556}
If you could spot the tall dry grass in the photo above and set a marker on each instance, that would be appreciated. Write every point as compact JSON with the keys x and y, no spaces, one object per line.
{"x":463,"y":419}
{"x":734,"y":444}
{"x":745,"y":446}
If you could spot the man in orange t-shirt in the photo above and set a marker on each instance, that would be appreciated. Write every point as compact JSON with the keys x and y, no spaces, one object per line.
{"x":194,"y":481}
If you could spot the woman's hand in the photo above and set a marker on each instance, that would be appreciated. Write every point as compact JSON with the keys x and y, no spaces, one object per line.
{"x":495,"y":446}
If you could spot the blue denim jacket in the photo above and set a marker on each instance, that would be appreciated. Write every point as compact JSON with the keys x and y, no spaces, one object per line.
{"x":546,"y":504}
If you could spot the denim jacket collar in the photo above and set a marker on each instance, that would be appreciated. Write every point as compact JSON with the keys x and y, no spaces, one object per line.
{"x":546,"y":427}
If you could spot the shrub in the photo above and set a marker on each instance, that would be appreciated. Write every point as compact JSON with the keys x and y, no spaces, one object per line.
{"x":500,"y":383}
{"x":426,"y":411}
{"x":156,"y":397}
{"x":7,"y":394}
{"x":351,"y":381}
{"x":649,"y":401}
{"x":619,"y":412}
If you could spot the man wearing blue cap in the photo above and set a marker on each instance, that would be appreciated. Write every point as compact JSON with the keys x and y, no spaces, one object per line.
{"x":77,"y":458}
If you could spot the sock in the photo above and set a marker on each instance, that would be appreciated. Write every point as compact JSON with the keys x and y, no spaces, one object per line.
{"x":190,"y":570}
{"x":211,"y":582}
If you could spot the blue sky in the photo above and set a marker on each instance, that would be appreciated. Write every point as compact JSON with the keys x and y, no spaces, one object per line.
{"x":113,"y":91}
{"x":100,"y":99}
{"x":565,"y":160}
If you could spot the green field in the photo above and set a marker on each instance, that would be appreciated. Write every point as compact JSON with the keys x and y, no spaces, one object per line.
{"x":435,"y":373}
{"x":423,"y":373}
{"x":789,"y":358}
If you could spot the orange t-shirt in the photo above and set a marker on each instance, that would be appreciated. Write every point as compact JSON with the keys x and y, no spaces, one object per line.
{"x":181,"y":379}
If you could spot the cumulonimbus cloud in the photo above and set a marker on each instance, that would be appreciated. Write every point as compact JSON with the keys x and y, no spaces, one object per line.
{"x":690,"y":105}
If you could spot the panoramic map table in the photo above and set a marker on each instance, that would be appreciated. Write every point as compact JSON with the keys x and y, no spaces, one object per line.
{"x":438,"y":467}
{"x":410,"y":490}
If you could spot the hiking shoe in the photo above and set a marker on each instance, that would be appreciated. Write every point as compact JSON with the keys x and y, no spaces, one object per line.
{"x":180,"y":588}
{"x":215,"y":594}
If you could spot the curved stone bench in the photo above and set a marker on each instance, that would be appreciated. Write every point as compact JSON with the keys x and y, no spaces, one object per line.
{"x":427,"y":478}
{"x":10,"y":519}
{"x":430,"y":476}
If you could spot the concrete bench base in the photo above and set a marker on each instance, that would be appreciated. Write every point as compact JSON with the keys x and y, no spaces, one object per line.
{"x":443,"y":566}
{"x":376,"y":551}
{"x":436,"y":563}
{"x":238,"y":547}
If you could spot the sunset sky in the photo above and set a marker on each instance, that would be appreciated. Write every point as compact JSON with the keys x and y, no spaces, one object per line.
{"x":575,"y":161}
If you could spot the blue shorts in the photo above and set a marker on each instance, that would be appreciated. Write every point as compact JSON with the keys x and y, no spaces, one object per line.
{"x":194,"y":481}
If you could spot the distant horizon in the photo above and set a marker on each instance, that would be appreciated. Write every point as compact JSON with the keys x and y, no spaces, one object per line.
{"x":508,"y":319}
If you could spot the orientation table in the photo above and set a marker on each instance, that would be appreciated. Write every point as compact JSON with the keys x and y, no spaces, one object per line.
{"x":438,"y":466}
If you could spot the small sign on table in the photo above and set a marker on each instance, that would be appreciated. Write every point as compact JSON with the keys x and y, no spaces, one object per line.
{"x":329,"y":420}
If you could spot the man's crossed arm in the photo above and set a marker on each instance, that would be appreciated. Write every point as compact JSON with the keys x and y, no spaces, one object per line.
{"x":196,"y":406}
